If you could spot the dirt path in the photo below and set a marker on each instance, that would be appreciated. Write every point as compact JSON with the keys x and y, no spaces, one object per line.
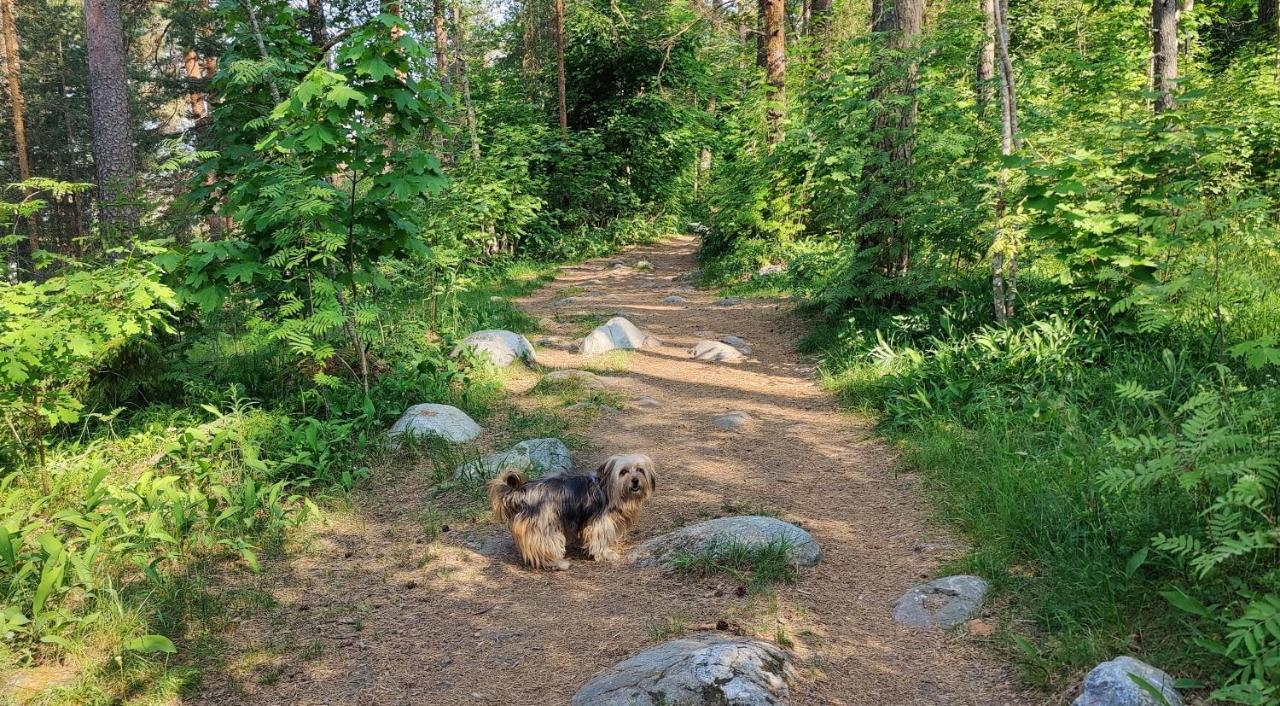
{"x":371,"y":613}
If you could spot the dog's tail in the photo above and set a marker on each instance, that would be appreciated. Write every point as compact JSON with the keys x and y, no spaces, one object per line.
{"x":503,"y":494}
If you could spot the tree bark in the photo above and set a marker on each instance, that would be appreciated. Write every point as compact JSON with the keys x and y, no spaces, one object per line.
{"x":1164,"y":52}
{"x":442,"y":39}
{"x":986,"y":72}
{"x":109,"y":105}
{"x":761,"y":53}
{"x":460,"y":61}
{"x":560,"y":89}
{"x":13,"y":81}
{"x":1269,"y":16}
{"x":819,"y":16}
{"x":1004,"y":256}
{"x":775,"y":66}
{"x":317,"y":27}
{"x":896,"y":25}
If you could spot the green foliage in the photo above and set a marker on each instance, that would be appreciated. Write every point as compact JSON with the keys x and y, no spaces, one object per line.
{"x":757,"y":567}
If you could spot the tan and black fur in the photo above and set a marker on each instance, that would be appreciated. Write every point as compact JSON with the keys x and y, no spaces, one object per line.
{"x":548,"y":515}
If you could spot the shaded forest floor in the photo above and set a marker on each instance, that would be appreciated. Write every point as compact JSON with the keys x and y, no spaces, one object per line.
{"x":410,"y":595}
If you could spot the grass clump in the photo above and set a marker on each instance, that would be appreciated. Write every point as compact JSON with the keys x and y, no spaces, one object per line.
{"x":757,"y":567}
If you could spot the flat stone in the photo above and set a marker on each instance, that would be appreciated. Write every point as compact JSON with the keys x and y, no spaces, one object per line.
{"x":728,"y":301}
{"x":441,"y":420}
{"x":716,"y":352}
{"x":943,"y":603}
{"x":502,"y":348}
{"x":584,"y":378}
{"x":556,"y":343}
{"x":1109,"y":684}
{"x":703,"y":669}
{"x":748,"y":530}
{"x":674,"y":299}
{"x":730,"y":421}
{"x":568,"y":301}
{"x":541,"y":457}
{"x":616,"y":334}
{"x":643,"y":265}
{"x":646,"y":402}
{"x":739,"y":343}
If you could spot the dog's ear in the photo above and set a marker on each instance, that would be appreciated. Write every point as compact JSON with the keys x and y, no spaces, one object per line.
{"x":605,"y":468}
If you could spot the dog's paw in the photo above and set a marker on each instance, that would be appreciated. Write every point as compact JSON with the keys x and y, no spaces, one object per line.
{"x":562,"y":565}
{"x":609,"y":555}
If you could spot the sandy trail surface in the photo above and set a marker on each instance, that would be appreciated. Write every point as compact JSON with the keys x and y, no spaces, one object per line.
{"x":372,"y":613}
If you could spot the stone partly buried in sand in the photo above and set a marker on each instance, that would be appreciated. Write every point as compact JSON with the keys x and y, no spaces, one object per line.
{"x":716,"y":352}
{"x":1110,"y":684}
{"x":702,"y":669}
{"x":731,"y":421}
{"x":542,"y":457}
{"x":439,"y":420}
{"x":582,"y":378}
{"x":616,"y":334}
{"x":741,"y":530}
{"x":943,"y":603}
{"x":502,"y":348}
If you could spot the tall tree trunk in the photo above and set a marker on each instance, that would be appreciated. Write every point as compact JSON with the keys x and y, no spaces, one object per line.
{"x":819,"y":16}
{"x":1004,"y":253}
{"x":762,"y":59}
{"x":442,"y":39}
{"x":460,"y":60}
{"x":194,"y":74}
{"x":896,"y":25}
{"x":560,"y":90}
{"x":1269,"y":16}
{"x":775,"y":66}
{"x":317,"y":27}
{"x":13,"y":81}
{"x":109,"y":104}
{"x":1164,"y":52}
{"x":986,"y":55}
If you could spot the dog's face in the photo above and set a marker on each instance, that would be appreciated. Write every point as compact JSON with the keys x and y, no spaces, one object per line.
{"x":628,"y":478}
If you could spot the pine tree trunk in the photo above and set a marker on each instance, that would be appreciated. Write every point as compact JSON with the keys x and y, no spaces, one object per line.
{"x":896,"y":25}
{"x":109,"y":104}
{"x":819,"y":16}
{"x":1164,"y":52}
{"x":762,"y":59}
{"x":442,"y":40}
{"x":460,"y":60}
{"x":775,"y":66}
{"x":560,"y":88}
{"x":1269,"y":16}
{"x":985,"y":77}
{"x":13,"y":81}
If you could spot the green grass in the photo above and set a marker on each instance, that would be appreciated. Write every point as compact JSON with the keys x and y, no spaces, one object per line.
{"x":756,"y":567}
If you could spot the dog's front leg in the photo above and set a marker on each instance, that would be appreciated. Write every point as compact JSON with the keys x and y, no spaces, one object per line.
{"x":598,"y":538}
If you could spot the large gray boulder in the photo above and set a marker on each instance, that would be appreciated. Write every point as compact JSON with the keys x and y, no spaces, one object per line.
{"x":440,"y":420}
{"x":748,"y":530}
{"x":737,"y":342}
{"x":943,"y":603}
{"x":1111,"y":684}
{"x":543,"y":457}
{"x":716,"y":352}
{"x":502,"y":348}
{"x":704,"y":669}
{"x":616,"y":334}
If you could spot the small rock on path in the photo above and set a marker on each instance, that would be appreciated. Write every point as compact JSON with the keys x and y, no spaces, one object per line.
{"x":500,"y":347}
{"x":716,"y":352}
{"x":616,"y":334}
{"x":943,"y":603}
{"x":547,"y":457}
{"x":730,"y":421}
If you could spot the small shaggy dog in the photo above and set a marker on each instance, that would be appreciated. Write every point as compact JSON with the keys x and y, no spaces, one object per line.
{"x":592,"y":511}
